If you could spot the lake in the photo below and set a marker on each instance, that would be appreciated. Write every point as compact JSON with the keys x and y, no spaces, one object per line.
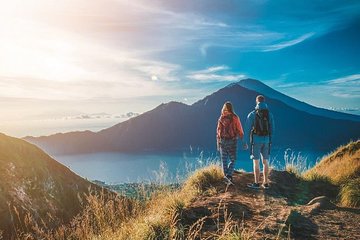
{"x":115,"y":168}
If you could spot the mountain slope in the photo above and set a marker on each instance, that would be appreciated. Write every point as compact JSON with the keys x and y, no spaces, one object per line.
{"x":33,"y":183}
{"x":268,"y":91}
{"x":176,"y":126}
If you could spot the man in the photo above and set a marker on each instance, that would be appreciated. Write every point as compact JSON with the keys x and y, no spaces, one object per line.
{"x":259,"y":129}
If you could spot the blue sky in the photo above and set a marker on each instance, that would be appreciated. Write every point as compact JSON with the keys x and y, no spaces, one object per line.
{"x":61,"y":58}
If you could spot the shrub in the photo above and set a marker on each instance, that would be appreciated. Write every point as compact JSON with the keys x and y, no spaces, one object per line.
{"x":350,"y":193}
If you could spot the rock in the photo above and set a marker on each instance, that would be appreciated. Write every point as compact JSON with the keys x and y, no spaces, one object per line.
{"x":301,"y":227}
{"x":317,"y":204}
{"x":323,"y":201}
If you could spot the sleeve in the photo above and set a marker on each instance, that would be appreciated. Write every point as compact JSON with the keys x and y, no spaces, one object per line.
{"x":239,"y":128}
{"x":248,"y":126}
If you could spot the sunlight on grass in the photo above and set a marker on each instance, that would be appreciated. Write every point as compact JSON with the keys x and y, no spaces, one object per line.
{"x":155,"y":217}
{"x":204,"y":179}
{"x":156,"y":212}
{"x":342,"y":167}
{"x":350,"y":193}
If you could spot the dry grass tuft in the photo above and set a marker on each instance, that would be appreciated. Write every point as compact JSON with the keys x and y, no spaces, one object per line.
{"x":342,"y":168}
{"x":292,"y":169}
{"x":341,"y":165}
{"x":204,"y":179}
{"x":350,"y":193}
{"x":102,"y":215}
{"x":313,"y":176}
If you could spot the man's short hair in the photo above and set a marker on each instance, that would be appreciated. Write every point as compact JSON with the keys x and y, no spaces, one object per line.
{"x":260,"y":98}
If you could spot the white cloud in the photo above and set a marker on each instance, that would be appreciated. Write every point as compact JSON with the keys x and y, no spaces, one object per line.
{"x":286,"y":44}
{"x":212,"y":74}
{"x":340,"y":91}
{"x":347,"y":87}
{"x":213,"y":69}
{"x":291,"y":85}
{"x":344,"y":95}
{"x":351,"y":79}
{"x":216,"y":77}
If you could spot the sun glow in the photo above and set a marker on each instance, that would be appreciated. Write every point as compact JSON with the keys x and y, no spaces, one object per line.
{"x":27,"y":50}
{"x":53,"y":49}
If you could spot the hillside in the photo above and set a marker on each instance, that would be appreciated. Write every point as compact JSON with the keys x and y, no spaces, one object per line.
{"x":295,"y":207}
{"x":342,"y":167}
{"x":34,"y":186}
{"x":203,"y":207}
{"x":176,"y":126}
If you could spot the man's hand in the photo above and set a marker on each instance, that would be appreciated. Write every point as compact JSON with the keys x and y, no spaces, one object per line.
{"x":245,"y":146}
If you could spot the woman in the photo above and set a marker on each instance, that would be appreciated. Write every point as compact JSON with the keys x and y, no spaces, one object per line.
{"x":228,"y":129}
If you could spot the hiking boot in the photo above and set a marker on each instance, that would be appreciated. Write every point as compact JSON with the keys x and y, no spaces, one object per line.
{"x":238,"y":172}
{"x":254,"y":185}
{"x":265,"y":185}
{"x":228,"y":181}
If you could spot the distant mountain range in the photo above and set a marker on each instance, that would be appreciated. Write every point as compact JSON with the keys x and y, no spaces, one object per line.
{"x":176,"y":126}
{"x":33,"y":183}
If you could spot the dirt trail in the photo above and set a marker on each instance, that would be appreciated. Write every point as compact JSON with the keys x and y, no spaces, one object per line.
{"x":270,"y":213}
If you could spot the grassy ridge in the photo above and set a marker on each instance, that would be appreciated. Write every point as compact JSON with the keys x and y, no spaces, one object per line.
{"x":342,"y":165}
{"x":159,"y":215}
{"x":342,"y":168}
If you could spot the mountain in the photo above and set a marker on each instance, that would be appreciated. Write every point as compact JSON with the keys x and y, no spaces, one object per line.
{"x":33,"y":183}
{"x":176,"y":126}
{"x":302,"y":106}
